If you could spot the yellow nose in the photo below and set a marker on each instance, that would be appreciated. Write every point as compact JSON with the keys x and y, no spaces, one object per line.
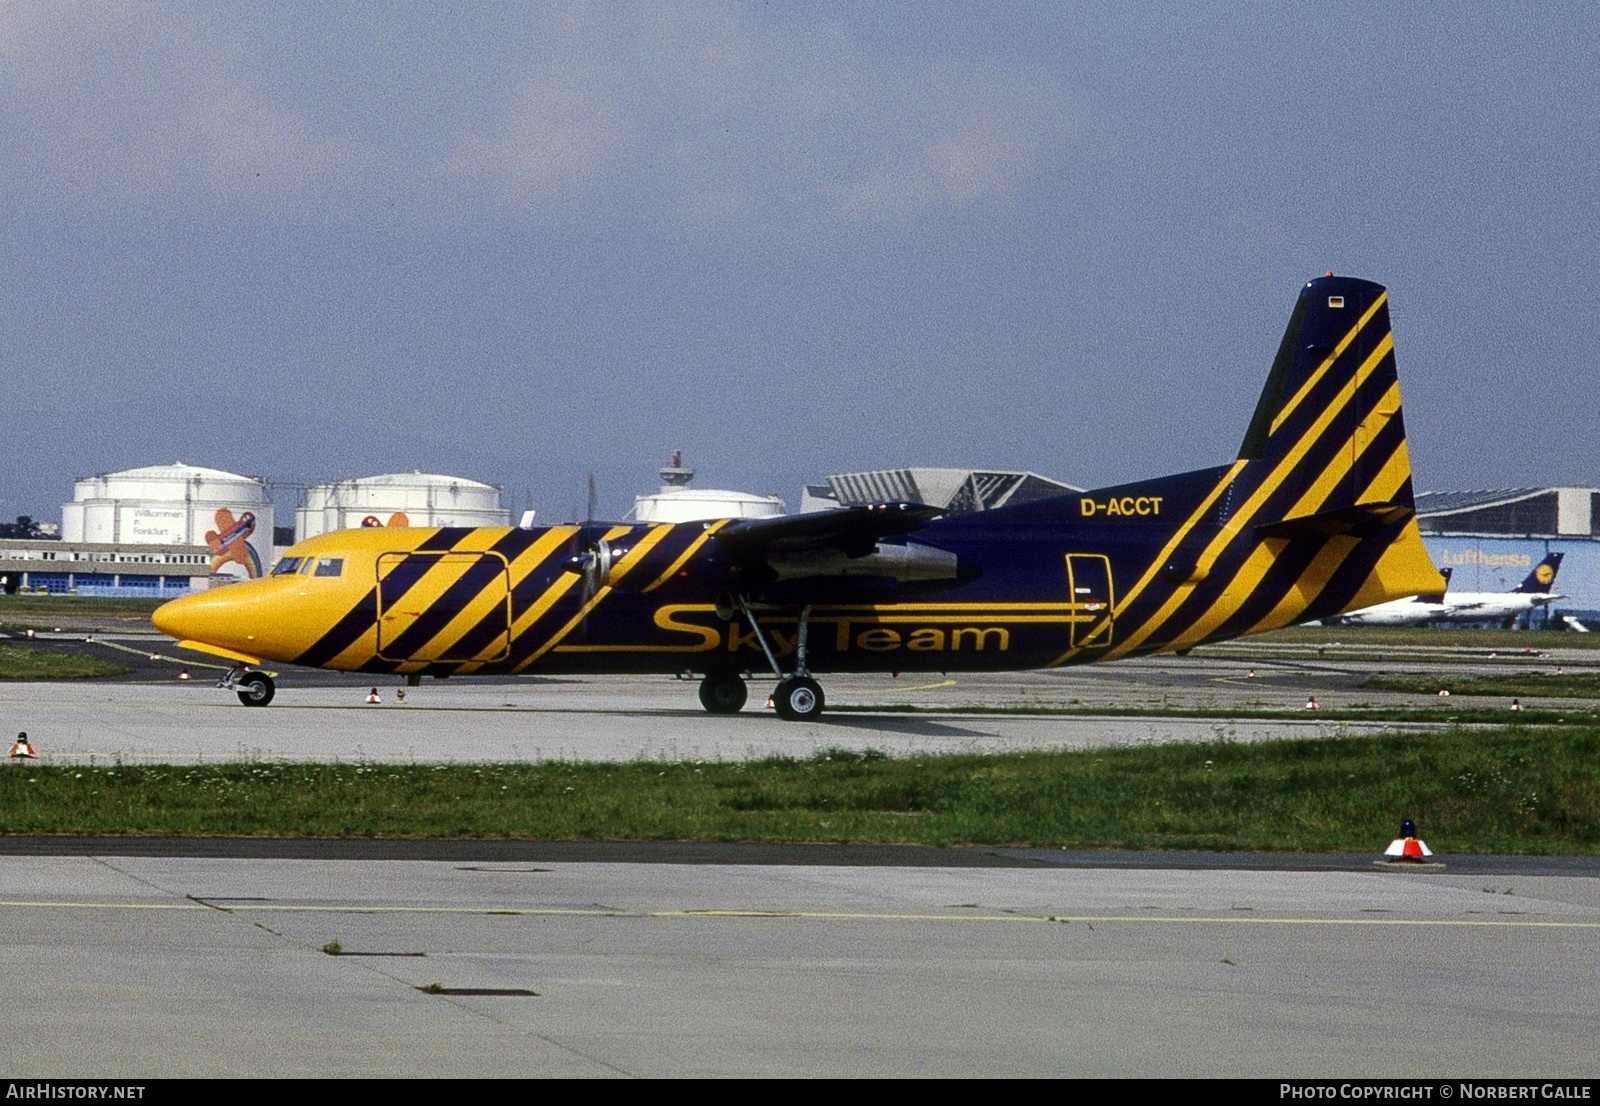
{"x":229,"y":617}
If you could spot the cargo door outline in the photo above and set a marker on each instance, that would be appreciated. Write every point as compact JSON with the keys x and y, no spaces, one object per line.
{"x":1089,"y":584}
{"x":436,"y":599}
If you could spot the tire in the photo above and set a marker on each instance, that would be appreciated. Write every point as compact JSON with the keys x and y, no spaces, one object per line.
{"x":255,"y":689}
{"x":723,"y":694}
{"x":798,"y":699}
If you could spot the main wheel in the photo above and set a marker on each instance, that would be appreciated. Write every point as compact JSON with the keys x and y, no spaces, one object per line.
{"x":255,"y":689}
{"x":798,"y":699}
{"x":722,"y":694}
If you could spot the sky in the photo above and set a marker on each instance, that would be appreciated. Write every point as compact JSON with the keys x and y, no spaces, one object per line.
{"x":522,"y":243}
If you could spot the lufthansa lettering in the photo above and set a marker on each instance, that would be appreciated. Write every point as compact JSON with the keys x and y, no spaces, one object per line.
{"x":1126,"y":506}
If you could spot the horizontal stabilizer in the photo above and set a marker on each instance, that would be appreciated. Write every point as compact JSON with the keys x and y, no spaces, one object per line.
{"x":1360,"y":521}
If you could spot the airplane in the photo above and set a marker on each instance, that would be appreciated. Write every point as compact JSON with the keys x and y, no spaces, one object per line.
{"x":1314,"y":516}
{"x":1463,"y":606}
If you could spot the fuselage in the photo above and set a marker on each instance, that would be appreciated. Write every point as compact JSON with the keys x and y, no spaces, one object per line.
{"x":1466,"y":606}
{"x":1114,"y":572}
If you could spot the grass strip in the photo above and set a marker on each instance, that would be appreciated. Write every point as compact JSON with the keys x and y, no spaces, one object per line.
{"x":1513,"y":790}
{"x":35,"y":610}
{"x":21,"y":662}
{"x":1505,"y":641}
{"x":1580,"y":685}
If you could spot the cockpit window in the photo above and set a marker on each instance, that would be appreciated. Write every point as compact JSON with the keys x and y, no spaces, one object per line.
{"x":329,"y":566}
{"x":287,"y":566}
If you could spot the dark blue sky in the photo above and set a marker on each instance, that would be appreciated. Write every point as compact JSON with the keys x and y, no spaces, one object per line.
{"x":318,"y":241}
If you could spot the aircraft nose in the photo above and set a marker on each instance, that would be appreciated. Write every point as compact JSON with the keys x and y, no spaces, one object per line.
{"x":213,"y":617}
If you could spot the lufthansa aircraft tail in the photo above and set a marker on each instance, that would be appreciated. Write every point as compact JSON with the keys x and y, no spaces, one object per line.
{"x":1543,"y":576}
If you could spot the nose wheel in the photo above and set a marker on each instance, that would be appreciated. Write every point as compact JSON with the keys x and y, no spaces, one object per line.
{"x":255,"y":689}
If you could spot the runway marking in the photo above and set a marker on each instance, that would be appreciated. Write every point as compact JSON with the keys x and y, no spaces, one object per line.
{"x":200,"y":903}
{"x":930,"y":687}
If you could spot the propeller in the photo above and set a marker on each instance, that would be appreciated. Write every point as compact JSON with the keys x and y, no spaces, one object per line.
{"x":591,"y":557}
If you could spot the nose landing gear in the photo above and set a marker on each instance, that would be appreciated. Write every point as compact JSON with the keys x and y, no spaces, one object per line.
{"x":255,"y":689}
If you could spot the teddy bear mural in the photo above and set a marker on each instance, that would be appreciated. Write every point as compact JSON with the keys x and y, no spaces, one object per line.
{"x":230,"y":543}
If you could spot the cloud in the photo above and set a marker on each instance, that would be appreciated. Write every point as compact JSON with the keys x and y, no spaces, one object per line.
{"x":696,"y":113}
{"x":128,"y":105}
{"x":714,"y":116}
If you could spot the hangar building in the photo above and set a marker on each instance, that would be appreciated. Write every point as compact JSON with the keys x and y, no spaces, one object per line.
{"x":1491,"y":539}
{"x":955,"y":490}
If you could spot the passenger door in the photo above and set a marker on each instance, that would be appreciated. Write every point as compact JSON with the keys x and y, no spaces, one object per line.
{"x":1089,"y":584}
{"x":443,"y":607}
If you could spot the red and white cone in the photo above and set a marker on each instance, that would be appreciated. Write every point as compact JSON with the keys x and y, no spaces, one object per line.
{"x":372,"y":696}
{"x":21,"y":748}
{"x":1408,"y":848}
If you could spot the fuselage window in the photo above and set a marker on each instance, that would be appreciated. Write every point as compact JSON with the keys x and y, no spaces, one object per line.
{"x":288,"y":566}
{"x":329,"y":566}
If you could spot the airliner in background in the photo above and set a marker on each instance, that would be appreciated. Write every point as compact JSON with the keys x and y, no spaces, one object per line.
{"x":1462,"y":606}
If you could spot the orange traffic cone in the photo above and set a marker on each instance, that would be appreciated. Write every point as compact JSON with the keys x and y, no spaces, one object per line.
{"x":1408,"y":848}
{"x":372,"y":696}
{"x":21,"y":748}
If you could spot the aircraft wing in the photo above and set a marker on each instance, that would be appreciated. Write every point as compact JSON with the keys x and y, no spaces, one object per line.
{"x":853,"y":531}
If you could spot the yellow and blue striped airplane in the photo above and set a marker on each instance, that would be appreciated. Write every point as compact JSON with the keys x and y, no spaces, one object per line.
{"x":1313,"y":518}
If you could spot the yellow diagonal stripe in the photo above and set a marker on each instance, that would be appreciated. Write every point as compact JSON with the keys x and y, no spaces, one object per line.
{"x":1242,"y":588}
{"x":1322,"y":369}
{"x":683,"y":558}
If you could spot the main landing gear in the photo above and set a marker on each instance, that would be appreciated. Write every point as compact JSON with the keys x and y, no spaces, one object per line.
{"x":797,"y":698}
{"x":255,"y":689}
{"x":723,"y":693}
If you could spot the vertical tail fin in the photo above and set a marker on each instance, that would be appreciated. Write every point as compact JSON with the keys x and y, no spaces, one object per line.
{"x":1316,"y":517}
{"x":1326,"y":469}
{"x":1331,"y":407}
{"x":1543,"y":576}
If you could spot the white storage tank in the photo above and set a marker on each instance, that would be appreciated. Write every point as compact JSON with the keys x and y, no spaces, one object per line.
{"x":398,"y":499}
{"x":697,"y":504}
{"x":176,"y":504}
{"x":677,"y":502}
